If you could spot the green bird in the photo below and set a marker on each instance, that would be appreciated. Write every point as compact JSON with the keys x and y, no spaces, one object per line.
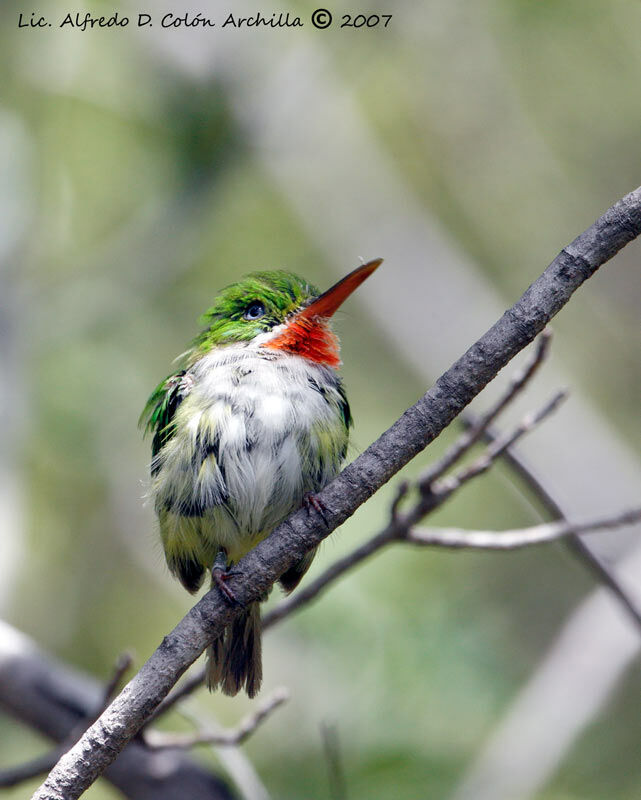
{"x":252,"y":425}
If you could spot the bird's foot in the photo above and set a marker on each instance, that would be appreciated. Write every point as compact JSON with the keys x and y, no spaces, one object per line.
{"x":220,"y":578}
{"x":310,"y":500}
{"x":220,"y":574}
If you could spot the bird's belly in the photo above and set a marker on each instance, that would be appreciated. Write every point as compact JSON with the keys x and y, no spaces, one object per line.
{"x":240,"y":461}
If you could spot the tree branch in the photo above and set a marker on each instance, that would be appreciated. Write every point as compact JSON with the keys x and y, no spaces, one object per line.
{"x":445,"y":487}
{"x":43,"y":764}
{"x":521,"y":537}
{"x":121,"y":668}
{"x":221,"y":738}
{"x":56,"y":701}
{"x":605,"y":573}
{"x":418,"y":426}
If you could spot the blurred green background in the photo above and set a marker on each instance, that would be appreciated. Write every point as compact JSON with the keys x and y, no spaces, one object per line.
{"x":145,"y":169}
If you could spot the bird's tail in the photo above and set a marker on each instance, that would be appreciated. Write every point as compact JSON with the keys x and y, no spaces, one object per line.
{"x":234,"y":660}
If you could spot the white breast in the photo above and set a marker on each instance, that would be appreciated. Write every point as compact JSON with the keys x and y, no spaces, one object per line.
{"x":247,"y":444}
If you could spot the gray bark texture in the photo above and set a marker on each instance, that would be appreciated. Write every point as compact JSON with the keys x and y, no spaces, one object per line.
{"x":54,"y":700}
{"x":417,"y":427}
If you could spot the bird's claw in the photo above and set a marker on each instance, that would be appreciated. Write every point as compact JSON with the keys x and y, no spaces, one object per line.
{"x":220,"y":577}
{"x":310,"y":500}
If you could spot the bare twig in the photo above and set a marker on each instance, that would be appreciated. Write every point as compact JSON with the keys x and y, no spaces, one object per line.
{"x":475,"y":431}
{"x":233,"y":759}
{"x":520,"y":537}
{"x":299,"y":534}
{"x":496,"y":448}
{"x":597,"y":565}
{"x":122,"y":666}
{"x":401,"y":494}
{"x":606,"y":574}
{"x":221,"y":738}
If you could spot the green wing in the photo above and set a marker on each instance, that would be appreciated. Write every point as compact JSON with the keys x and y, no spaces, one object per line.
{"x":346,"y":412}
{"x":158,"y":413}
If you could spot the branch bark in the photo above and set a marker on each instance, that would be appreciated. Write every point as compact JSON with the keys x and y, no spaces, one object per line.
{"x":418,"y":426}
{"x":55,"y":700}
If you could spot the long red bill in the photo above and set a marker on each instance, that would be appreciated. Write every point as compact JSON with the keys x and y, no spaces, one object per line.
{"x":327,"y":303}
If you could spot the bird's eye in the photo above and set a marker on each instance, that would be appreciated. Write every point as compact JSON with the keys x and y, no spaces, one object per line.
{"x":255,"y":310}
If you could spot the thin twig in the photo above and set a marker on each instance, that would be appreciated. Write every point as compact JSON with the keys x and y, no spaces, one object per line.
{"x":234,"y":760}
{"x":401,"y":494}
{"x":475,"y":431}
{"x":497,"y":448}
{"x":595,"y":563}
{"x":519,"y":537}
{"x":122,"y":666}
{"x":221,"y":738}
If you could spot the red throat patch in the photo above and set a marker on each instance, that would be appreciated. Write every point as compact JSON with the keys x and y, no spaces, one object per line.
{"x":310,"y":338}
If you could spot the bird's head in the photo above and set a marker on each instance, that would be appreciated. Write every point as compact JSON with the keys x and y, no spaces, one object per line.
{"x":279,"y":310}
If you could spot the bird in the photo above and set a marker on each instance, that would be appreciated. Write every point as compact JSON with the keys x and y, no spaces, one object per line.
{"x":250,"y":426}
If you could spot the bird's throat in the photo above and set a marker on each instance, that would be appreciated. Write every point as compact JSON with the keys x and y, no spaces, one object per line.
{"x":313,"y":339}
